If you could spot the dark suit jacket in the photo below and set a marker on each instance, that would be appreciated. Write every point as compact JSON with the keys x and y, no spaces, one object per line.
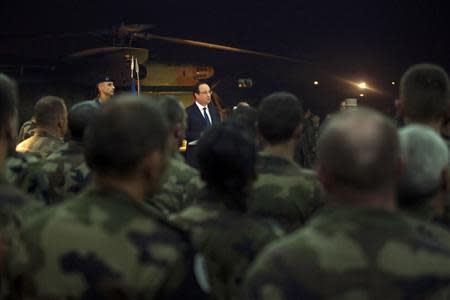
{"x":196,"y":124}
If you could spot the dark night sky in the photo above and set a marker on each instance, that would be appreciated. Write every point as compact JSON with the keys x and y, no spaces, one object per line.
{"x":371,"y":40}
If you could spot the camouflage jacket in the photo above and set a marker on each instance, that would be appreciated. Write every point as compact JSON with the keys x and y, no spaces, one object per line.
{"x":177,"y":187}
{"x":42,"y":143}
{"x":285,"y":192}
{"x":66,"y":172}
{"x":351,"y":253}
{"x":27,"y":130}
{"x":102,"y":245}
{"x":17,"y":172}
{"x":229,"y":240}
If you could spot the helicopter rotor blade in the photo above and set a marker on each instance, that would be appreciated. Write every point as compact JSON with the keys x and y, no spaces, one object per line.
{"x":148,"y":36}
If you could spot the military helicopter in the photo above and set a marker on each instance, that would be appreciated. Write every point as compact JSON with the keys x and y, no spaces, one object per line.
{"x":73,"y":74}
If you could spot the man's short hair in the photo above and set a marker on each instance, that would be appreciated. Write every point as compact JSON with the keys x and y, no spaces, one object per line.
{"x":49,"y":110}
{"x":123,"y":133}
{"x":227,"y":158}
{"x":279,"y":115}
{"x":172,"y":109}
{"x":425,"y":156}
{"x":79,"y":118}
{"x":196,"y":87}
{"x":8,"y":100}
{"x":424,"y":90}
{"x":359,"y":149}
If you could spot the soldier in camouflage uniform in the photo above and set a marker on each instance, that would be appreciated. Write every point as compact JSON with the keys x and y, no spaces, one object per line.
{"x":51,"y":120}
{"x":221,"y":228}
{"x":424,"y":182}
{"x":283,"y":190}
{"x":424,"y":99}
{"x":64,"y":173}
{"x":106,"y":244}
{"x":179,"y":176}
{"x":15,"y":207}
{"x":358,"y":248}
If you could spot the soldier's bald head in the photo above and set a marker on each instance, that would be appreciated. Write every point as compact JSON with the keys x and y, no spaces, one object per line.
{"x":360,"y":150}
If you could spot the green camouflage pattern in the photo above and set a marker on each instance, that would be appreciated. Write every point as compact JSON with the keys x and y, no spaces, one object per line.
{"x":178,"y":183}
{"x":229,"y":241}
{"x":15,"y":209}
{"x":41,"y":143}
{"x":285,"y":192}
{"x":102,"y":245}
{"x":17,"y":172}
{"x":66,"y":172}
{"x":352,"y":253}
{"x":27,"y":130}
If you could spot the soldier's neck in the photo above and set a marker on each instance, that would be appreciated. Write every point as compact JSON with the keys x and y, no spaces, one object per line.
{"x":134,"y":188}
{"x":382,"y":199}
{"x":285,"y":150}
{"x":103,"y":98}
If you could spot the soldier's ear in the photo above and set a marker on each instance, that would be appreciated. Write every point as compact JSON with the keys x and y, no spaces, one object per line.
{"x":298,"y":132}
{"x":325,"y":179}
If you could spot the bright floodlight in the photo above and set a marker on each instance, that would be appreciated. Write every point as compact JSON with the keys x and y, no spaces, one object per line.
{"x":393,"y":82}
{"x":361,"y":95}
{"x":362,"y":85}
{"x":316,"y":82}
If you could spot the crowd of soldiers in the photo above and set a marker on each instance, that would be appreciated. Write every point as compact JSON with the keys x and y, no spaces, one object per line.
{"x":96,"y":201}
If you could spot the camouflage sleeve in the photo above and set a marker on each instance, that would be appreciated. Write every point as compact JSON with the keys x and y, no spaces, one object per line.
{"x":261,"y":283}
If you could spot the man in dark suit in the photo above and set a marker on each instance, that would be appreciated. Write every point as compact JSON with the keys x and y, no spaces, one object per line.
{"x":200,"y":115}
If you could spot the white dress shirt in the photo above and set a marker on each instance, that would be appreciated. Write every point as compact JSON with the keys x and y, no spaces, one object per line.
{"x":204,"y":111}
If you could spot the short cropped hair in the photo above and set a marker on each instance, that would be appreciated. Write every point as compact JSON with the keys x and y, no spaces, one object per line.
{"x":424,"y":90}
{"x":279,"y":114}
{"x":227,"y":159}
{"x":8,"y":99}
{"x":78,"y":118}
{"x":360,"y":150}
{"x":425,"y":156}
{"x":48,"y":111}
{"x":196,"y":87}
{"x":122,"y":133}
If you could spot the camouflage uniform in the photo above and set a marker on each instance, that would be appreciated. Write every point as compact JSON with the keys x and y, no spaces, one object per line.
{"x":27,"y":130}
{"x":285,"y":192}
{"x":42,"y":143}
{"x":15,"y":209}
{"x":229,"y":241}
{"x":100,"y":245}
{"x":174,"y":195}
{"x":17,"y":172}
{"x":352,"y":253}
{"x":66,"y":172}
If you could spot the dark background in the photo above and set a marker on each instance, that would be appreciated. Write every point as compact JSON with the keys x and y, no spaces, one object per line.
{"x":337,"y":42}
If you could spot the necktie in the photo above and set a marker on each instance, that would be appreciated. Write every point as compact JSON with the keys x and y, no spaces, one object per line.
{"x":205,"y":115}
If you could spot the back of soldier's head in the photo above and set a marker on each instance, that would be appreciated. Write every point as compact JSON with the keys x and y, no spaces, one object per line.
{"x":247,"y":116}
{"x":424,"y":92}
{"x":279,"y":115}
{"x":49,"y":110}
{"x":79,"y":117}
{"x":172,"y":110}
{"x":359,"y":150}
{"x":123,"y":134}
{"x":425,"y":156}
{"x":227,"y":158}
